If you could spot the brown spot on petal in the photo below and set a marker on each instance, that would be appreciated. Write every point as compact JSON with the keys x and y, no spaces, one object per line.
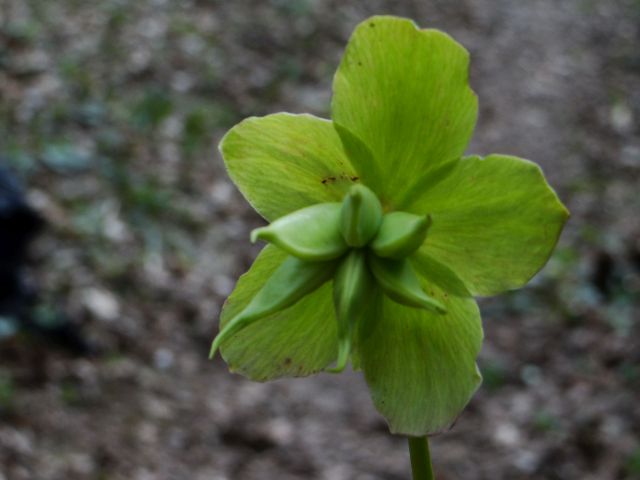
{"x":327,"y":180}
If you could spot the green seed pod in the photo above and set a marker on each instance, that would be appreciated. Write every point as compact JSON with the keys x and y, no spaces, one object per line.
{"x":400,"y":234}
{"x":361,"y":216}
{"x":289,"y":283}
{"x":401,"y":284}
{"x":311,"y":233}
{"x":351,"y":286}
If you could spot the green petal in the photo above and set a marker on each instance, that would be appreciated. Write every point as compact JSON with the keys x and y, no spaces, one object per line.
{"x":403,"y":92}
{"x":312,"y":233}
{"x":495,"y":221}
{"x":284,"y":162}
{"x":298,"y":341}
{"x":420,"y":366}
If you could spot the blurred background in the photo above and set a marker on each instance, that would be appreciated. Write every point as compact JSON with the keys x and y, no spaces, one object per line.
{"x":110,"y":113}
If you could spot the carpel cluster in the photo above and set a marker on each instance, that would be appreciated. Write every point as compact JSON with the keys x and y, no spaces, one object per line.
{"x":355,"y":244}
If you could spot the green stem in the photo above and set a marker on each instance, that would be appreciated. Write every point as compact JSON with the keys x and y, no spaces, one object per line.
{"x":420,"y":458}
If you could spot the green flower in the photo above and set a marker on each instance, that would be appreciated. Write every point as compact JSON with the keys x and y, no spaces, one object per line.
{"x":382,"y":230}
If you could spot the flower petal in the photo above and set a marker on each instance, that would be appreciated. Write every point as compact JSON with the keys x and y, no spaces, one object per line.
{"x":420,"y":366}
{"x":403,"y":92}
{"x":298,"y":341}
{"x":495,"y":221}
{"x":284,"y":162}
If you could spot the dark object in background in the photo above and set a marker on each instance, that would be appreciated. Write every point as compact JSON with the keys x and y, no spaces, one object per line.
{"x":19,"y":226}
{"x":602,"y":275}
{"x":634,"y":254}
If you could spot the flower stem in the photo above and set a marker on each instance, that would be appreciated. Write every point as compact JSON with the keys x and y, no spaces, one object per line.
{"x":420,"y":458}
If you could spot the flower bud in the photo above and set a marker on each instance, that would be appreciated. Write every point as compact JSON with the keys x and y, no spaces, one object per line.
{"x":361,"y":216}
{"x":289,"y":283}
{"x":400,"y":234}
{"x":400,"y":283}
{"x":311,"y":233}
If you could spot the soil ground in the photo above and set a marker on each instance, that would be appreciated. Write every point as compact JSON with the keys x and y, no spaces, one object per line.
{"x":111,"y":112}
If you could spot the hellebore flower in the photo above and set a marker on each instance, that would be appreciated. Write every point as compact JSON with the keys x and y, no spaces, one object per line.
{"x":382,"y":230}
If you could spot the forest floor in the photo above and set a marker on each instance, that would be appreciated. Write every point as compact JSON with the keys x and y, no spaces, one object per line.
{"x":111,"y":112}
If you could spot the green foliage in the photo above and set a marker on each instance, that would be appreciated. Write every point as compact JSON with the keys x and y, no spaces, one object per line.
{"x":632,"y":464}
{"x":70,"y":394}
{"x":494,"y":375}
{"x":66,"y":158}
{"x":7,"y":391}
{"x":21,"y":161}
{"x":152,"y":109}
{"x":546,"y":422}
{"x":8,"y":327}
{"x":426,"y":229}
{"x":21,"y":33}
{"x":195,"y":130}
